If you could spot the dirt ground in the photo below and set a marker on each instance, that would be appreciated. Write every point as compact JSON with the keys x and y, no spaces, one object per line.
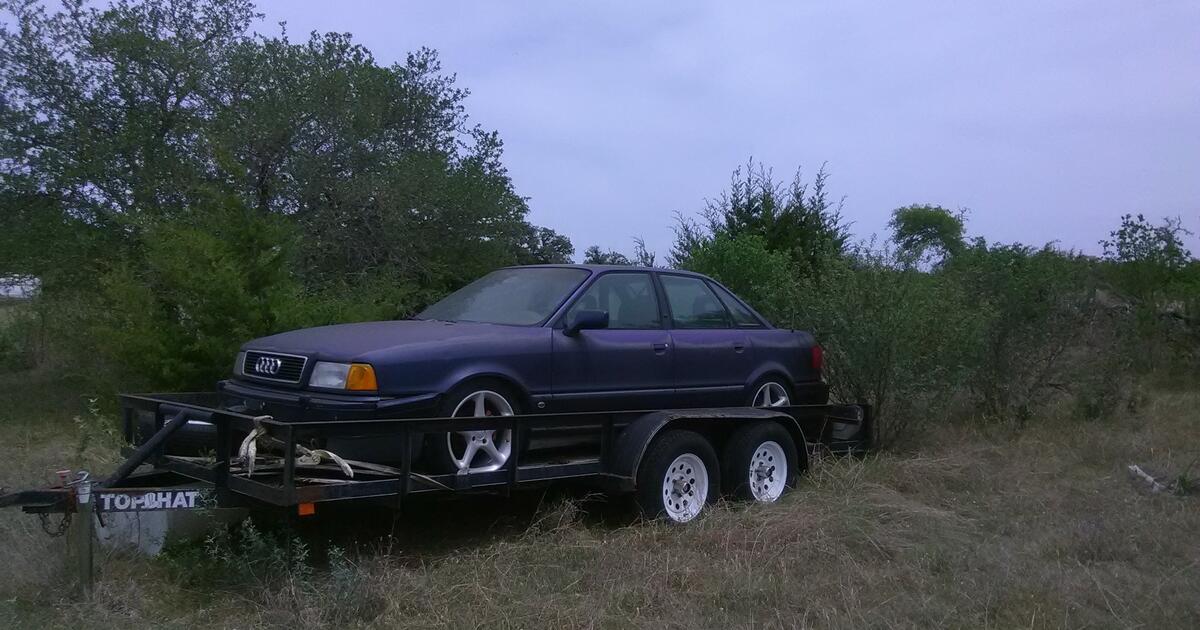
{"x":974,"y":527}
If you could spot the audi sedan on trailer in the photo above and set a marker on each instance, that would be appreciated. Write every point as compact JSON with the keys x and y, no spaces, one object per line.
{"x":535,"y":339}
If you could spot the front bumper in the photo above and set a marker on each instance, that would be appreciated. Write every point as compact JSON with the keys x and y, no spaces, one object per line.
{"x":302,"y":406}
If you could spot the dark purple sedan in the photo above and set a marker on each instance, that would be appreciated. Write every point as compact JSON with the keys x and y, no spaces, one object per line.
{"x":535,"y":339}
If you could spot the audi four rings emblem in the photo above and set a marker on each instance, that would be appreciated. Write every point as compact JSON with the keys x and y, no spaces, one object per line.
{"x":268,"y":365}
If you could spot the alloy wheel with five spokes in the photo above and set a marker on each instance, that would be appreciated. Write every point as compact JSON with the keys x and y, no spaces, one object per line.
{"x":486,"y":450}
{"x":771,"y":394}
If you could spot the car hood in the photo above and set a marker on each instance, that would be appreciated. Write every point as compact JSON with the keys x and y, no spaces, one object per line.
{"x":369,"y":341}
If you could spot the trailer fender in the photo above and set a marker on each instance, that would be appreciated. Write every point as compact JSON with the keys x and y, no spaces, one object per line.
{"x":632,"y":443}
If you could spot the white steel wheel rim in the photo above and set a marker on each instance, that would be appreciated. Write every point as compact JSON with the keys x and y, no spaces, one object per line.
{"x":480,"y":451}
{"x":771,"y":395}
{"x":685,"y":488}
{"x":768,"y":472}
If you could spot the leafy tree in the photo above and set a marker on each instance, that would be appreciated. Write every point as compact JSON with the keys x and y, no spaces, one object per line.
{"x":175,"y":316}
{"x":643,"y":257}
{"x":894,"y":337}
{"x":1139,"y":241}
{"x":764,"y":278}
{"x":1150,"y":266}
{"x":140,"y":131}
{"x":596,"y":256}
{"x":543,"y":246}
{"x":1031,"y":306}
{"x":1147,"y":260}
{"x":921,"y":231}
{"x":798,"y":219}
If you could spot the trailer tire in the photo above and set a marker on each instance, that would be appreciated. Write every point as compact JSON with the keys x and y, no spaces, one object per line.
{"x":677,"y":477}
{"x":752,"y":459}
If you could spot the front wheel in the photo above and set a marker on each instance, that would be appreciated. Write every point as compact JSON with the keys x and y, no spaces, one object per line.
{"x":474,"y":451}
{"x":677,"y":477}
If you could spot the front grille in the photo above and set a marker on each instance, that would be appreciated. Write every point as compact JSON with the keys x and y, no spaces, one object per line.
{"x":272,"y":366}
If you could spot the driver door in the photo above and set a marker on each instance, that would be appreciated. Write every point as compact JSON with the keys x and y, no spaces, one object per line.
{"x":625,"y":366}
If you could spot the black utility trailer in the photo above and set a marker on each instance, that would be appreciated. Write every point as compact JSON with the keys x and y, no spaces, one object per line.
{"x":672,"y":459}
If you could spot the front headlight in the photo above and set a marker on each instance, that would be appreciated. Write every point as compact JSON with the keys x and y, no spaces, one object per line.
{"x":355,"y":377}
{"x":239,"y":364}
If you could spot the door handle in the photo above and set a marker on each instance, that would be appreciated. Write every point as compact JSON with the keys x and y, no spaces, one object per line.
{"x":660,"y":348}
{"x":738,"y":347}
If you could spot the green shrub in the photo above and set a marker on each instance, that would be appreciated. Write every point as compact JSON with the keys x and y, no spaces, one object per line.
{"x":893,"y":337}
{"x":175,"y":316}
{"x":17,"y":336}
{"x":1034,"y":309}
{"x":764,"y":278}
{"x":241,"y":555}
{"x":277,"y":570}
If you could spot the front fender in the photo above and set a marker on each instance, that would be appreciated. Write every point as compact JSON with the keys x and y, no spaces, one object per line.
{"x":493,"y":370}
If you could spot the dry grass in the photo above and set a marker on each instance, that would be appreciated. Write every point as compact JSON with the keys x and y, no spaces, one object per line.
{"x":1040,"y":528}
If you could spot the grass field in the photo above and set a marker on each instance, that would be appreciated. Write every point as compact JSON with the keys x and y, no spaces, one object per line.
{"x":973,"y":528}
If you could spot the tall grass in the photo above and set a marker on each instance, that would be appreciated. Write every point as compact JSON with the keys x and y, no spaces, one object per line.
{"x":978,"y":526}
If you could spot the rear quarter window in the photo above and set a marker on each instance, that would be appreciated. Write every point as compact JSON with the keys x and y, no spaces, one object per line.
{"x":693,"y":304}
{"x":742,"y":317}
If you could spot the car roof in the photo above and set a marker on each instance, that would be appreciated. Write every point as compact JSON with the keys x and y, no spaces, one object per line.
{"x":599,"y":268}
{"x":604,"y":268}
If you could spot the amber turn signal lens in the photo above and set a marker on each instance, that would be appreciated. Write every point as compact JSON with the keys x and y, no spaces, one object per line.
{"x":361,"y":378}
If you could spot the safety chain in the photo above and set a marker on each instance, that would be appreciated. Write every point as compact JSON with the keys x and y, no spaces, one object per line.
{"x":62,"y":528}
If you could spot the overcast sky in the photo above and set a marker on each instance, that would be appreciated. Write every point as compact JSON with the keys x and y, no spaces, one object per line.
{"x":1047,"y":122}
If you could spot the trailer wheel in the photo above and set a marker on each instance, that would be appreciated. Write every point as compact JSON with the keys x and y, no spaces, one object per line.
{"x":474,"y":451}
{"x":677,"y":476}
{"x":760,"y":462}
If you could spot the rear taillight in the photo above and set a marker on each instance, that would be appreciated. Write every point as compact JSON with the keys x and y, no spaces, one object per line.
{"x":818,"y":358}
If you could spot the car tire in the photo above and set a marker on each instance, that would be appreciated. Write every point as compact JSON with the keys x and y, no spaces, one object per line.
{"x":775,"y":389}
{"x":753,"y":458}
{"x":677,"y":477}
{"x":489,"y":450}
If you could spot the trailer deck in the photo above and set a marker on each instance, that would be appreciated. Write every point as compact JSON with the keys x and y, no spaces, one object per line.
{"x":286,"y":474}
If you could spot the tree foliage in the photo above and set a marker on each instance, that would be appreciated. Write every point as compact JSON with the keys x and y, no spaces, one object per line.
{"x":595,"y":256}
{"x":745,"y":264}
{"x":642,"y":257}
{"x":797,"y":218}
{"x":935,"y":325}
{"x":926,"y":232}
{"x":1144,"y":258}
{"x":142,"y":135}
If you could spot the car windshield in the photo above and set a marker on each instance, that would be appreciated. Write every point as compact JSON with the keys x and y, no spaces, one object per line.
{"x":521,"y":297}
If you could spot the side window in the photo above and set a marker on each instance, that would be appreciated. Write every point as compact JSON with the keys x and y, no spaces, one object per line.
{"x":628,"y":297}
{"x":742,"y":317}
{"x":693,"y":304}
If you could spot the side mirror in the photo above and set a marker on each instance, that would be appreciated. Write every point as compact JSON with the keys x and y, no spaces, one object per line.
{"x":586,"y":320}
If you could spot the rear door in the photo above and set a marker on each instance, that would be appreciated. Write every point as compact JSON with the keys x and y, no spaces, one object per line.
{"x":712,"y":356}
{"x":625,"y":366}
